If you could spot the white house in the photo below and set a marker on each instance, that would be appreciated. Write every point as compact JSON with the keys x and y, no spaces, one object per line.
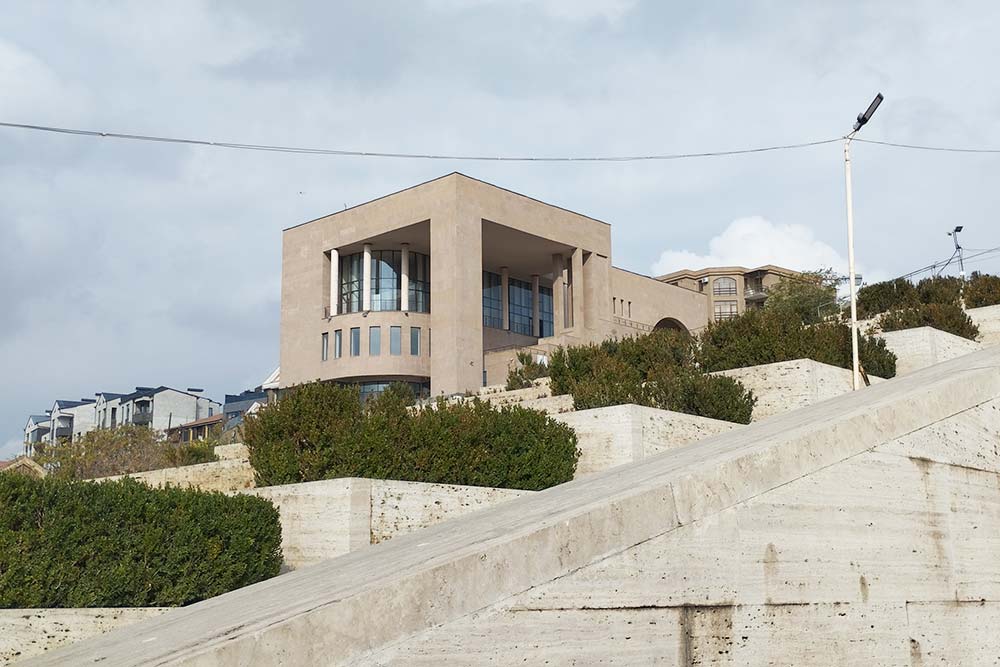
{"x":162,"y":408}
{"x":69,"y":420}
{"x":35,"y":431}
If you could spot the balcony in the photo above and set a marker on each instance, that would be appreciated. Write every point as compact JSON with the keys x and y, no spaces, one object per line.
{"x":64,"y":432}
{"x":142,"y":418}
{"x":754,"y":294}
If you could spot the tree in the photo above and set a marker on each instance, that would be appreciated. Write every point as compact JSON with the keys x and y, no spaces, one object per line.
{"x":982,"y":290}
{"x":807,"y":296}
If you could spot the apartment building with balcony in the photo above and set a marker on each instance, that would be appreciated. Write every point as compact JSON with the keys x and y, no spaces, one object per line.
{"x":35,"y":431}
{"x":69,"y":420}
{"x":163,"y":408}
{"x":439,"y":285}
{"x":730,"y":290}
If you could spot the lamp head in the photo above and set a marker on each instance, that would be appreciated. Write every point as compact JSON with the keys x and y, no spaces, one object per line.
{"x":867,"y":114}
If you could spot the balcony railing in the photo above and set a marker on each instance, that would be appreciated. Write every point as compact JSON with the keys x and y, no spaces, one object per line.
{"x":142,"y":418}
{"x":754,"y":294}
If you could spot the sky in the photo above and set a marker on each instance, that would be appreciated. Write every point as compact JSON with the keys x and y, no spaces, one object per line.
{"x":128,"y":263}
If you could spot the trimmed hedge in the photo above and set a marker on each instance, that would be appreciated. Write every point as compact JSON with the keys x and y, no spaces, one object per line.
{"x":942,"y":316}
{"x":656,"y":370}
{"x":123,"y":544}
{"x":763,"y":337}
{"x":322,"y":431}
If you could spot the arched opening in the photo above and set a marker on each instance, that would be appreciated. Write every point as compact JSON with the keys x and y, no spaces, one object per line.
{"x":670,"y":324}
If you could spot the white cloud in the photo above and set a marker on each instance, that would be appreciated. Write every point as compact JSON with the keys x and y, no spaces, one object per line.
{"x":755,"y":241}
{"x":571,"y":10}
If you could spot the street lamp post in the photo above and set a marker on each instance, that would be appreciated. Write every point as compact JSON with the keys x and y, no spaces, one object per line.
{"x":863,"y":118}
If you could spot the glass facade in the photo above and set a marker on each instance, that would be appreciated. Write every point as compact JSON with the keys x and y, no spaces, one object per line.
{"x":376,"y":387}
{"x":546,"y":312}
{"x":420,"y":282}
{"x":351,"y":280}
{"x":387,"y":281}
{"x":492,"y":301}
{"x":520,"y":306}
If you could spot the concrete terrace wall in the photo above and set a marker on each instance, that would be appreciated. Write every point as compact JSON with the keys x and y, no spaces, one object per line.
{"x":29,"y":632}
{"x":328,"y":518}
{"x":614,"y":436}
{"x":226,"y":475}
{"x":987,"y":319}
{"x":789,"y":385}
{"x":847,"y":550}
{"x":925,"y":346}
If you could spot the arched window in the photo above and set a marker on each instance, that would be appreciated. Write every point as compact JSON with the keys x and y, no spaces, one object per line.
{"x":724,"y":287}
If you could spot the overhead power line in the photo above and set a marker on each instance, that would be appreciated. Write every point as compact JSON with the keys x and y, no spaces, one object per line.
{"x":413,"y":156}
{"x":919,"y":147}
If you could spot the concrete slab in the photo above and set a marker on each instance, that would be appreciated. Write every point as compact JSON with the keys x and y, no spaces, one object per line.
{"x":351,"y":609}
{"x":925,"y":346}
{"x":987,"y":318}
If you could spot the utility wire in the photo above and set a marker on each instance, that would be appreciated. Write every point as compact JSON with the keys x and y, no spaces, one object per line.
{"x":919,"y":147}
{"x":416,"y":156}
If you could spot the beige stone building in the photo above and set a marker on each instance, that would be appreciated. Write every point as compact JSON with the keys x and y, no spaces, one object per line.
{"x":730,"y":290}
{"x":441,"y":284}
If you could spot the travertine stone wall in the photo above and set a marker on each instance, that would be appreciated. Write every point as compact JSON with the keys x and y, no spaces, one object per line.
{"x":227,"y":475}
{"x":614,"y":436}
{"x":987,"y":319}
{"x":789,"y":385}
{"x":28,"y":632}
{"x":925,"y":346}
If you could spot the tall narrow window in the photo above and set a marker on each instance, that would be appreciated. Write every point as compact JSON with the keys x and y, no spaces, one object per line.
{"x":415,"y":341}
{"x":325,"y":350}
{"x":492,"y":302}
{"x":355,"y":341}
{"x":546,"y":324}
{"x":374,"y":341}
{"x":521,"y":307}
{"x":386,"y":280}
{"x":338,"y":343}
{"x":420,"y":282}
{"x":351,"y":279}
{"x":395,"y":341}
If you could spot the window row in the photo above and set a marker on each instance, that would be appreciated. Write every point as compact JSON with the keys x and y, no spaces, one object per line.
{"x":374,"y":342}
{"x":386,"y":281}
{"x":725,"y":310}
{"x":520,"y":302}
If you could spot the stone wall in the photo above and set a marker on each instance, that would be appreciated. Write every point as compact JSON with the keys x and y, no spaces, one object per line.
{"x":614,"y":436}
{"x":987,"y":319}
{"x":227,"y":475}
{"x":328,"y":518}
{"x":789,"y":385}
{"x":925,"y":346}
{"x":29,"y":632}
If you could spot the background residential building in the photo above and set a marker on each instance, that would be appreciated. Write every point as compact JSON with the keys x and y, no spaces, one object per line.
{"x":162,"y":407}
{"x":35,"y":431}
{"x":441,"y":284}
{"x":69,"y":420}
{"x":730,"y":290}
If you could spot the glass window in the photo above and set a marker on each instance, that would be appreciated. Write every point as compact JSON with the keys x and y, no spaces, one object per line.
{"x":338,"y":343}
{"x":492,"y":302}
{"x":420,"y":282}
{"x":325,"y":346}
{"x":351,"y":279}
{"x":725,"y":310}
{"x":545,"y":312}
{"x":520,"y":306}
{"x":386,"y":280}
{"x":415,"y":341}
{"x":395,"y":341}
{"x":374,"y":341}
{"x":355,"y":341}
{"x":724,"y":287}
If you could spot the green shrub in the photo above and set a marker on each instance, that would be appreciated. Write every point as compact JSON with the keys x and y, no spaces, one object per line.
{"x":123,"y":544}
{"x":609,"y":381}
{"x":982,"y":290}
{"x":119,"y":451}
{"x":763,"y":337}
{"x":527,"y":371}
{"x":808,"y":296}
{"x":940,"y":289}
{"x":888,"y":295}
{"x":942,"y":316}
{"x":321,"y":431}
{"x":684,"y":389}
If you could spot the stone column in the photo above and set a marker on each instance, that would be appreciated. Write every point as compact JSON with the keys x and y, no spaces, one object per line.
{"x":404,"y":278}
{"x":366,"y":279}
{"x":334,"y":282}
{"x":577,"y":299}
{"x":505,"y":296}
{"x":558,"y":305}
{"x":536,"y":320}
